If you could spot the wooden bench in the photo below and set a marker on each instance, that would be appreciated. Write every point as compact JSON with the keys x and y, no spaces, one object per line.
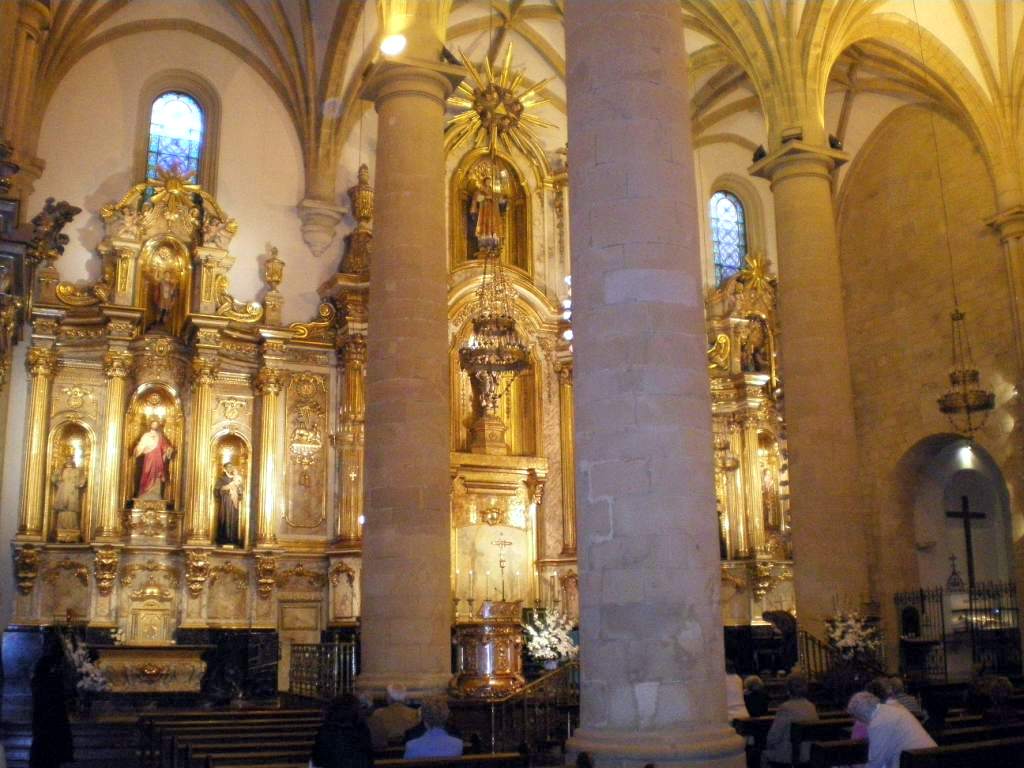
{"x":495,"y":760}
{"x":805,"y":732}
{"x":997,"y":753}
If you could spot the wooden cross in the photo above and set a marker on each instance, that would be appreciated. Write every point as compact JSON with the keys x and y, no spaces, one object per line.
{"x":966,"y":515}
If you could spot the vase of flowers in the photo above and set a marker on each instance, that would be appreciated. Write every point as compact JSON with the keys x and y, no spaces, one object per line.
{"x":856,"y":643}
{"x":89,"y":680}
{"x":549,"y":639}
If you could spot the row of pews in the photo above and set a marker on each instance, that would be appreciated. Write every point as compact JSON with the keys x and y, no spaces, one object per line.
{"x":270,"y":738}
{"x":966,"y":741}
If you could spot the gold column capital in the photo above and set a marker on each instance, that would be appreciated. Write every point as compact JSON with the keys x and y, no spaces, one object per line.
{"x":41,"y":361}
{"x":204,"y":372}
{"x":117,"y":363}
{"x":354,"y":350}
{"x":269,"y":381}
{"x":197,"y":570}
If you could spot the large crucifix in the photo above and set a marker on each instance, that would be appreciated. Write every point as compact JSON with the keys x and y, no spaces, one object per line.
{"x":965,"y":514}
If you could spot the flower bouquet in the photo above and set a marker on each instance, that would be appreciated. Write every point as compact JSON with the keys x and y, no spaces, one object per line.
{"x":549,"y":638}
{"x":89,"y":680}
{"x":852,"y":636}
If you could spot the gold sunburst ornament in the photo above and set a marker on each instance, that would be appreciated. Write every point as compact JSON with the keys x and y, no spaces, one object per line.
{"x":495,"y":108}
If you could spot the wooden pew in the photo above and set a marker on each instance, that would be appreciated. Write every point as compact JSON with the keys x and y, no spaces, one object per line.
{"x":806,"y":732}
{"x":496,"y":760}
{"x":998,"y":753}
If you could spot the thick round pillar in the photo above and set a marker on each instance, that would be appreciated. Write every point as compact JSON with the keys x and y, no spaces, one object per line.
{"x":653,"y":674}
{"x":820,"y":430}
{"x":406,"y":606}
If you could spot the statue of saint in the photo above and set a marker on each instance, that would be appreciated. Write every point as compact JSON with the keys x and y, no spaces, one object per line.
{"x":153,"y":455}
{"x":229,"y":496}
{"x":67,"y":498}
{"x":165,"y":296}
{"x":485,"y":209}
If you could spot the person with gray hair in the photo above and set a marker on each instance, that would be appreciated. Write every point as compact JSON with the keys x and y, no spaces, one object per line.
{"x":778,"y":749}
{"x":435,"y":742}
{"x":891,"y":729}
{"x":389,"y":724}
{"x":899,"y":695}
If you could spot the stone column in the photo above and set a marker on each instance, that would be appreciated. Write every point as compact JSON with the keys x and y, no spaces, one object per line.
{"x":353,"y":431}
{"x":652,"y":668}
{"x":42,"y":364}
{"x":117,"y":364}
{"x":29,"y":34}
{"x":823,"y":458}
{"x":406,"y":605}
{"x":567,"y":426}
{"x":199,"y":509}
{"x":269,"y":382}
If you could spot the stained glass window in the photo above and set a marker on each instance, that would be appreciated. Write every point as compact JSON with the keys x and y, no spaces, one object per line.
{"x":176,"y":128}
{"x":728,"y":235}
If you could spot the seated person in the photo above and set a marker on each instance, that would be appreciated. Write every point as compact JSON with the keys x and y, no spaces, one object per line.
{"x":881,"y":689}
{"x":734,"y":693}
{"x":343,"y":740}
{"x":389,"y":724}
{"x":891,"y":730}
{"x":435,"y":742}
{"x":778,"y":748}
{"x":899,"y":695}
{"x":755,"y":696}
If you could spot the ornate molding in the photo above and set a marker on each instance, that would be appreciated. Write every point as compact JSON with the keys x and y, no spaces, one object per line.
{"x":80,"y":571}
{"x":118,"y":364}
{"x":26,"y":567}
{"x":269,"y":381}
{"x":240,"y":575}
{"x":105,"y":567}
{"x":150,"y":566}
{"x":41,"y":361}
{"x":299,"y":571}
{"x":266,"y":567}
{"x":197,"y":570}
{"x":204,"y":372}
{"x":342,"y":569}
{"x":317,"y":330}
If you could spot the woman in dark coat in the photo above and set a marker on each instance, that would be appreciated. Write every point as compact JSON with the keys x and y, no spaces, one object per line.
{"x":343,"y":741}
{"x":51,"y":731}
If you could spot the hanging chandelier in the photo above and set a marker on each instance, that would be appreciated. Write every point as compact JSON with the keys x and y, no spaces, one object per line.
{"x":494,"y":355}
{"x":494,"y":105}
{"x":965,"y":403}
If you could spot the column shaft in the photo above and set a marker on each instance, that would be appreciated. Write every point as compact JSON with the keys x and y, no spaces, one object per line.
{"x":42,"y":363}
{"x":352,"y":446}
{"x":406,"y":607}
{"x":652,"y":670}
{"x":567,"y":428}
{"x":268,"y":385}
{"x":823,"y":458}
{"x":118,"y":366}
{"x":199,"y":509}
{"x":753,"y":501}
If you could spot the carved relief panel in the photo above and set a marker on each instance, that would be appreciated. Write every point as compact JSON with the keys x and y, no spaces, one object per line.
{"x":307,"y":450}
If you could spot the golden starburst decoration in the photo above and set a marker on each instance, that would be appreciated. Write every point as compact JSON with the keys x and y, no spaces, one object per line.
{"x":495,"y":105}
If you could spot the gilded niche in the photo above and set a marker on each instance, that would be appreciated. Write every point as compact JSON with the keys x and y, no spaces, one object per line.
{"x":307,"y":425}
{"x":71,"y":449}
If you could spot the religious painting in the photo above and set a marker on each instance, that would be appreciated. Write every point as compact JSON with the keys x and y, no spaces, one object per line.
{"x":165,"y":285}
{"x":230,"y":456}
{"x":769,"y":462}
{"x":307,"y":466}
{"x":71,"y":448}
{"x":153,"y":446}
{"x":482,"y":176}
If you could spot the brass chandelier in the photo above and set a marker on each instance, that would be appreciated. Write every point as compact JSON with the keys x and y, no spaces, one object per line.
{"x":965,"y":403}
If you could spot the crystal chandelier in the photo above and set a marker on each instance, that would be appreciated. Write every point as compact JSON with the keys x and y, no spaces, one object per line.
{"x":965,"y":403}
{"x":494,"y":355}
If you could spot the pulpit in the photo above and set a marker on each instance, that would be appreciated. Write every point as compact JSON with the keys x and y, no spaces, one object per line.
{"x":489,"y":652}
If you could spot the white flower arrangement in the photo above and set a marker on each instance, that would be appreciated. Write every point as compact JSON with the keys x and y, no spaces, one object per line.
{"x":90,"y":678}
{"x":851,"y":635}
{"x":548,"y":638}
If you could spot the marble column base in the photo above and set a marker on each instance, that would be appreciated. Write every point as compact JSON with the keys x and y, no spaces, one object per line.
{"x":707,"y":747}
{"x":417,"y":686}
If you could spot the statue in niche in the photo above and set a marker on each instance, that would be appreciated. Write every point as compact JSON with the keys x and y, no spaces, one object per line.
{"x":68,"y":483}
{"x":754,"y":350}
{"x":153,"y":455}
{"x":165,"y":294}
{"x":770,"y":498}
{"x":486,"y":206}
{"x":229,"y":497}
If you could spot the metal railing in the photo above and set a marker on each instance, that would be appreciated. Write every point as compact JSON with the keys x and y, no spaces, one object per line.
{"x":322,"y":670}
{"x":540,"y":715}
{"x":817,"y":659}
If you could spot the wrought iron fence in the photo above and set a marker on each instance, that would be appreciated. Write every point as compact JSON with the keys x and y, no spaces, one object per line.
{"x":936,"y":622}
{"x":322,"y":670}
{"x":538,"y":716}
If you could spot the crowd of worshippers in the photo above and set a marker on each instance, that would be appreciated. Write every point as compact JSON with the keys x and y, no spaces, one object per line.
{"x":353,"y":731}
{"x":885,"y":715}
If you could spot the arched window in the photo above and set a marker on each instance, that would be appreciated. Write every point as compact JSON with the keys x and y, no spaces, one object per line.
{"x":728,"y":234}
{"x":177,"y":127}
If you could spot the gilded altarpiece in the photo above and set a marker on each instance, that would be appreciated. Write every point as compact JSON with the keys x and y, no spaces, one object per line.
{"x":182,"y":463}
{"x":751,"y":482}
